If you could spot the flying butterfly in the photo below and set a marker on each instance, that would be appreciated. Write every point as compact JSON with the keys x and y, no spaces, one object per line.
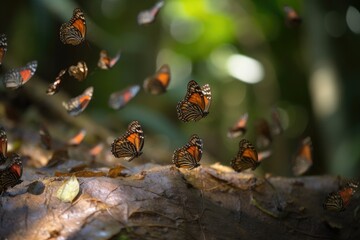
{"x":17,"y":77}
{"x":196,"y":103}
{"x":54,"y":87}
{"x":3,"y":145}
{"x":148,"y":16}
{"x":292,"y":19}
{"x":79,"y":71}
{"x":119,"y":99}
{"x":246,"y":158}
{"x":303,"y":158}
{"x":129,"y":145}
{"x":158,"y":83}
{"x":77,"y":105}
{"x":11,"y":172}
{"x":189,"y":155}
{"x":96,"y":150}
{"x":239,"y":128}
{"x":3,"y":46}
{"x":263,"y":133}
{"x":105,"y":62}
{"x":78,"y":138}
{"x":74,"y":31}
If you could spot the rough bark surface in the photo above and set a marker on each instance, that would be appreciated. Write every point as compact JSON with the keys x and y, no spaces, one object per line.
{"x":166,"y":203}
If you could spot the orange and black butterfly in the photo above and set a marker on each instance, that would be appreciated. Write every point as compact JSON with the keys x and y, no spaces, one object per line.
{"x":246,"y":158}
{"x":119,"y":99}
{"x":77,"y":105}
{"x":3,"y":145}
{"x":78,"y":138}
{"x":148,"y":16}
{"x":3,"y":46}
{"x":54,"y":87}
{"x":17,"y":77}
{"x":105,"y":62}
{"x":45,"y":137}
{"x":10,"y":172}
{"x":337,"y":201}
{"x":189,"y":155}
{"x":196,"y":103}
{"x":239,"y":128}
{"x":303,"y":158}
{"x":158,"y":83}
{"x":292,"y":19}
{"x":129,"y":145}
{"x":74,"y":31}
{"x":79,"y":71}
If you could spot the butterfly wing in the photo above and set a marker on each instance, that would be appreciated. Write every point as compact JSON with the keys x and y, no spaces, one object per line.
{"x":11,"y":175}
{"x":189,"y":155}
{"x":239,"y":128}
{"x":105,"y":62}
{"x":158,"y":83}
{"x":17,"y":77}
{"x":119,"y":99}
{"x":77,"y":105}
{"x":3,"y":46}
{"x":79,"y":71}
{"x":3,"y":145}
{"x":246,"y":158}
{"x":148,"y":16}
{"x":54,"y":87}
{"x":74,"y":31}
{"x":303,"y":158}
{"x":129,"y":145}
{"x":78,"y":138}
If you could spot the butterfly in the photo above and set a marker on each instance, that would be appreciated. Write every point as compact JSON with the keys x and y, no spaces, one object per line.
{"x":45,"y":137}
{"x":78,"y":138}
{"x":246,"y":158}
{"x":119,"y":99}
{"x":337,"y":201}
{"x":303,"y":158}
{"x":11,"y":172}
{"x":239,"y":128}
{"x":263,"y":133}
{"x":129,"y":145}
{"x":196,"y":103}
{"x":3,"y":145}
{"x":292,"y":19}
{"x":158,"y":83}
{"x":79,"y":71}
{"x":105,"y":62}
{"x":3,"y":46}
{"x":189,"y":155}
{"x":77,"y":105}
{"x":54,"y":87}
{"x":96,"y":150}
{"x":17,"y":77}
{"x":277,"y":127}
{"x":74,"y":31}
{"x":148,"y":16}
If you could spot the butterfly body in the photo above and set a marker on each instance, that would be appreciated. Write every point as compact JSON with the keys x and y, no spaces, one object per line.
{"x":196,"y":103}
{"x":158,"y":83}
{"x":129,"y":146}
{"x":74,"y":31}
{"x":189,"y":155}
{"x":246,"y":158}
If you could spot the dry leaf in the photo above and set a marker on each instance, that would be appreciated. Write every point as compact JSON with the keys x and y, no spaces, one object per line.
{"x":83,"y":173}
{"x":116,"y":171}
{"x":68,"y":191}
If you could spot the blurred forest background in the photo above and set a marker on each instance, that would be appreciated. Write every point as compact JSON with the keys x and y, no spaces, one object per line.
{"x":244,"y":49}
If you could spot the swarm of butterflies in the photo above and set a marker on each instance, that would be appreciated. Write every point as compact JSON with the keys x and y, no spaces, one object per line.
{"x":193,"y":107}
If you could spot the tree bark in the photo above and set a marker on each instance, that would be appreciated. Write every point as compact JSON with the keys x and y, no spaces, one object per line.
{"x":166,"y":203}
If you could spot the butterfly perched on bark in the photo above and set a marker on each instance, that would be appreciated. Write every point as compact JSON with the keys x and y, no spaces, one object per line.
{"x":77,"y":105}
{"x":105,"y":62}
{"x":79,"y":71}
{"x":119,"y":99}
{"x":148,"y":16}
{"x":196,"y":103}
{"x":129,"y":145}
{"x":338,"y":201}
{"x":54,"y":87}
{"x":17,"y":77}
{"x":189,"y":155}
{"x":10,"y":172}
{"x":246,"y":158}
{"x":239,"y":128}
{"x":158,"y":83}
{"x":3,"y":46}
{"x":73,"y":32}
{"x":303,"y":158}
